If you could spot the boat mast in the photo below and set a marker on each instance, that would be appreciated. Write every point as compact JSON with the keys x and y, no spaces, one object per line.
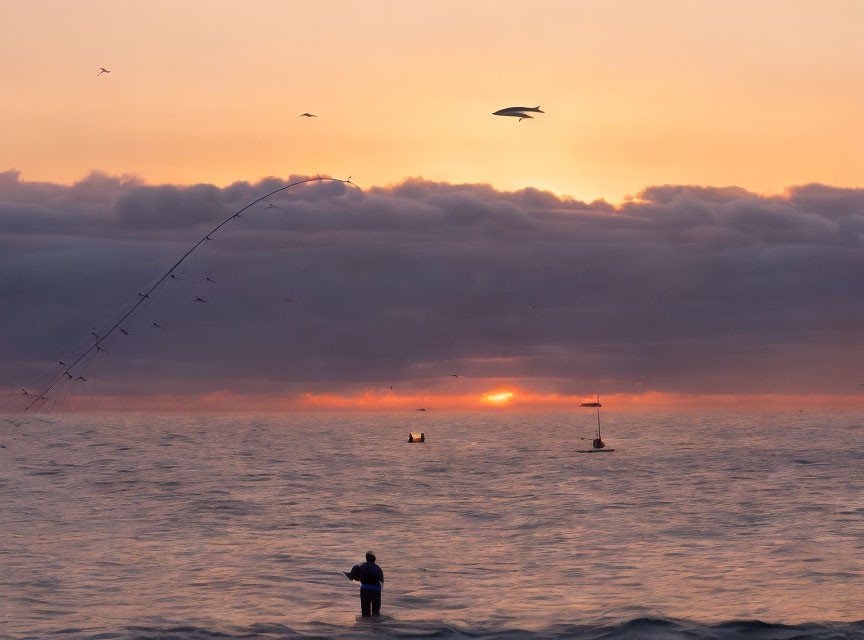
{"x":598,"y":417}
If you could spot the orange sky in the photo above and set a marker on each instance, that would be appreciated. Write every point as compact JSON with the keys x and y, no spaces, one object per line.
{"x":375,"y":400}
{"x":757,"y":94}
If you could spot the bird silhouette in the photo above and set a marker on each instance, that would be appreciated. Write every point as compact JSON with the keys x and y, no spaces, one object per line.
{"x":287,"y":299}
{"x":157,"y":325}
{"x":103,"y":70}
{"x":124,"y":332}
{"x":307,"y":115}
{"x":197,"y":299}
{"x":504,"y":112}
{"x":82,"y":378}
{"x":517,"y":112}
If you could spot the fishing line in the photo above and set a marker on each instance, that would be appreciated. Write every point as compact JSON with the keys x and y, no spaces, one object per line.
{"x":139,"y":308}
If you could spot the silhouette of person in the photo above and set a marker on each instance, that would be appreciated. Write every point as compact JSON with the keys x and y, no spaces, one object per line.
{"x":371,"y":580}
{"x":598,"y":443}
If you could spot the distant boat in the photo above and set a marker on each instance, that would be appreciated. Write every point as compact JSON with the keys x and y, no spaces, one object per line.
{"x":416,"y":434}
{"x":598,"y":446}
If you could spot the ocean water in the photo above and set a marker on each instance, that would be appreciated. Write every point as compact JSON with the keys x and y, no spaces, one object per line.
{"x":698,"y":526}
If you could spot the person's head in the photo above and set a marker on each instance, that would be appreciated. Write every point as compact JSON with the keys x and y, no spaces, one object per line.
{"x":370,"y":557}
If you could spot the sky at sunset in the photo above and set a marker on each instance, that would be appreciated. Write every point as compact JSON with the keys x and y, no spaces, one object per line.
{"x":685,"y":220}
{"x":760,"y":95}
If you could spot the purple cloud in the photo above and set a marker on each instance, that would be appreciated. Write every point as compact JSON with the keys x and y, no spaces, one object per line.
{"x":685,"y":289}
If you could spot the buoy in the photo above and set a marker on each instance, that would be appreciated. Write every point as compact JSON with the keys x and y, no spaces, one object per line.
{"x":417,"y":437}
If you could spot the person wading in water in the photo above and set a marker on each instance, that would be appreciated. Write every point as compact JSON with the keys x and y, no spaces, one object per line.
{"x":371,"y":580}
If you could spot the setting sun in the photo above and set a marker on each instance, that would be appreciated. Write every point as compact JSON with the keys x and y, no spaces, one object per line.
{"x":498,"y":398}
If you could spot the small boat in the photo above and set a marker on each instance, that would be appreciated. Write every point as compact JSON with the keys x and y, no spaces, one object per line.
{"x":416,"y":437}
{"x":597,"y":445}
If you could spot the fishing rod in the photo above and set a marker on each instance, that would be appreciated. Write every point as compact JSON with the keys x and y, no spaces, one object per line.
{"x":97,"y":346}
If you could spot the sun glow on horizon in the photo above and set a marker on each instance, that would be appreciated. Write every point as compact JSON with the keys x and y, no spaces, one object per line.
{"x":498,"y":398}
{"x":372,"y":400}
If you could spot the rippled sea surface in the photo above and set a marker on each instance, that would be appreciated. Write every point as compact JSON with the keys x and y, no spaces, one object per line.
{"x":698,"y":525}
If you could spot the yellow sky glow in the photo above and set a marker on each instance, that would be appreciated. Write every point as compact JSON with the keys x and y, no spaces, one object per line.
{"x":759,"y":95}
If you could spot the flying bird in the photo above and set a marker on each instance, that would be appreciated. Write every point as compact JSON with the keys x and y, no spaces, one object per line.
{"x":307,"y":115}
{"x":270,"y":205}
{"x":103,"y":70}
{"x":82,"y":378}
{"x":209,"y":279}
{"x":517,"y":112}
{"x":197,"y":299}
{"x":287,"y":299}
{"x":157,"y":325}
{"x":24,"y":391}
{"x":503,"y":112}
{"x":124,"y":332}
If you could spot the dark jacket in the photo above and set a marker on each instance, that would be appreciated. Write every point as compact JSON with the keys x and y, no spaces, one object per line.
{"x":369,"y":574}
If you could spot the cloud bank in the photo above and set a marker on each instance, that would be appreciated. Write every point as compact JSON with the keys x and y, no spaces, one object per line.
{"x":683,"y":290}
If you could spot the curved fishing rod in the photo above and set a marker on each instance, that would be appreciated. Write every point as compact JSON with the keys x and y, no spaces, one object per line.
{"x":97,"y":346}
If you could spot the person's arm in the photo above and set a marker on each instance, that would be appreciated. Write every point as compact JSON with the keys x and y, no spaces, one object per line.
{"x":354,"y":574}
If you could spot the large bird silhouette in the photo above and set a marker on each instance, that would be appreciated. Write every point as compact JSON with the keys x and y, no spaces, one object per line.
{"x":518,"y":112}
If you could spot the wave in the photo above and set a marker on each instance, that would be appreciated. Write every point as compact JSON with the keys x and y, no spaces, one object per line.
{"x":387,"y":627}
